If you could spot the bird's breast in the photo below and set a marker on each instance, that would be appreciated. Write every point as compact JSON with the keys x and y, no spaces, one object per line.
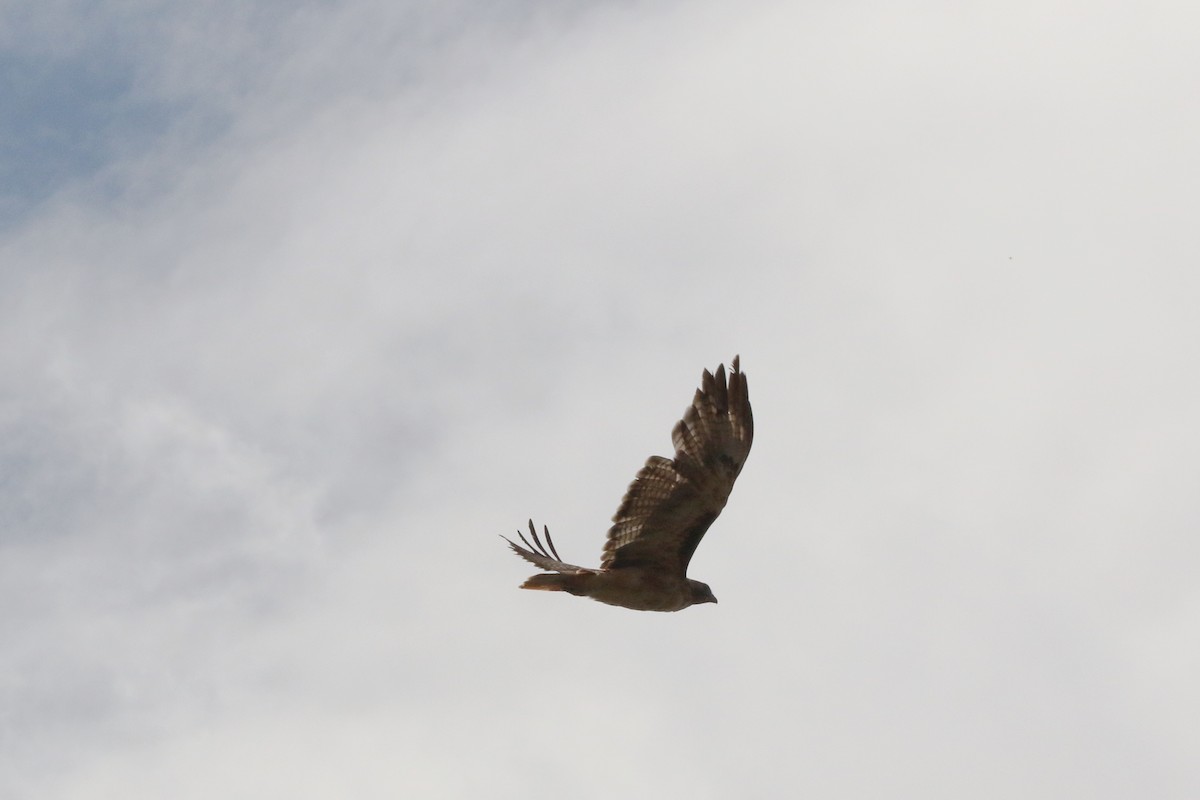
{"x":641,"y":589}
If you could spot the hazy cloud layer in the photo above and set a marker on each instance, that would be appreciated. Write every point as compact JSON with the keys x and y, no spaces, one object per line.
{"x":319,"y":301}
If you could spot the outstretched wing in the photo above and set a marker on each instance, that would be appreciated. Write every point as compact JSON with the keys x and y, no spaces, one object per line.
{"x":672,"y":502}
{"x":538,"y":554}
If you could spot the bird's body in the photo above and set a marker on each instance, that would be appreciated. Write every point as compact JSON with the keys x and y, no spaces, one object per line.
{"x":639,"y":588}
{"x":666,"y":511}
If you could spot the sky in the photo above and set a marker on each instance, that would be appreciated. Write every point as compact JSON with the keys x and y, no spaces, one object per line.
{"x":303,"y":305}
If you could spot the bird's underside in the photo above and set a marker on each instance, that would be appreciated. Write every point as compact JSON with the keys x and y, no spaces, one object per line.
{"x":665,"y":512}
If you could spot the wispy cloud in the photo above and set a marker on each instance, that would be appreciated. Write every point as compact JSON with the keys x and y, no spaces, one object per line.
{"x":378,"y":282}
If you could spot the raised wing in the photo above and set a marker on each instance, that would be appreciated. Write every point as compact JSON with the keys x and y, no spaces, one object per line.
{"x":539,"y":555}
{"x":672,"y":502}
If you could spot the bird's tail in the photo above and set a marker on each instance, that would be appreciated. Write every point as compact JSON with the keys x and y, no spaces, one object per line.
{"x":557,"y":582}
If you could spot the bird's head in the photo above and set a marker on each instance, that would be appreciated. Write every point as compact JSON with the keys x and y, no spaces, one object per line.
{"x":701,"y":593}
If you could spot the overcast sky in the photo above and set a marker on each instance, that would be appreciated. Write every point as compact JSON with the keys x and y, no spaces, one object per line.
{"x":300,"y":307}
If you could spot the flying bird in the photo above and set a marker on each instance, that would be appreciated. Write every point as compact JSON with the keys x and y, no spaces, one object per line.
{"x":666,"y":510}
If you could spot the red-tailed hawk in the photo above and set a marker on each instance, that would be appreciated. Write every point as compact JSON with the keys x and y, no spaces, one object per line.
{"x":666,"y":510}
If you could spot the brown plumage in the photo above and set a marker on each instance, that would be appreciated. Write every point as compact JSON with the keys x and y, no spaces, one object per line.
{"x":666,"y":511}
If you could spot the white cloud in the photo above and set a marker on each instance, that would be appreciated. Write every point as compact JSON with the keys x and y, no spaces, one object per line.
{"x":271,"y":388}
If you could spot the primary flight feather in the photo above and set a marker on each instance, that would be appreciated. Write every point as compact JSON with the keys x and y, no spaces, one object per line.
{"x":666,"y":510}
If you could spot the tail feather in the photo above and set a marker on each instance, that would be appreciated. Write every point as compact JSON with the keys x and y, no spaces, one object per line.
{"x":558,"y":583}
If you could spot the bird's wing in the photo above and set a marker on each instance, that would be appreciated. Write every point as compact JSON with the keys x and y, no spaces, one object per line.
{"x":672,"y":502}
{"x":541,"y":556}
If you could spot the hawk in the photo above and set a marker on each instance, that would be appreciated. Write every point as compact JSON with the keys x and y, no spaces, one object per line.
{"x":666,"y":511}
